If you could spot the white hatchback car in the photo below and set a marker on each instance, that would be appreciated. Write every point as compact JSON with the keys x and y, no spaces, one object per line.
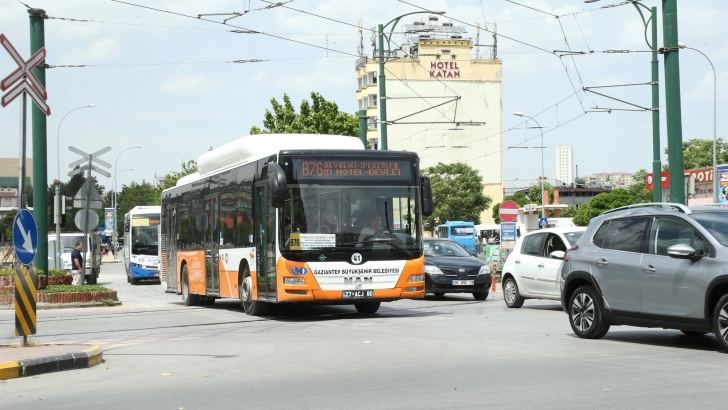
{"x":532,"y":269}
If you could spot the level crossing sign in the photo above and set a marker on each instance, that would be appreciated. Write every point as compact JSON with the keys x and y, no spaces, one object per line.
{"x":24,"y":77}
{"x":25,"y":237}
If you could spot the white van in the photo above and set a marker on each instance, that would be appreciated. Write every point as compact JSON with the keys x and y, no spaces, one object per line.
{"x":91,"y":257}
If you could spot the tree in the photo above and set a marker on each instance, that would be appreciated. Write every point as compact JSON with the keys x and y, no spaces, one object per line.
{"x":132,"y":195}
{"x":698,"y":153}
{"x":6,"y":226}
{"x":602,"y":203}
{"x":519,"y":198}
{"x":457,"y":193}
{"x":171,"y":179}
{"x":318,"y":117}
{"x":569,"y":212}
{"x":638,"y":190}
{"x":534,"y":192}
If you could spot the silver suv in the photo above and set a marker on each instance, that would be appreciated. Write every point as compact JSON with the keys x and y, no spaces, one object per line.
{"x":650,"y":265}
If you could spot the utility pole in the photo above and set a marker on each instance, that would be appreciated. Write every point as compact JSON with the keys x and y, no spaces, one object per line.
{"x":672,"y":101}
{"x":656,"y":163}
{"x":363,"y":126}
{"x":40,"y":147}
{"x":382,"y":91}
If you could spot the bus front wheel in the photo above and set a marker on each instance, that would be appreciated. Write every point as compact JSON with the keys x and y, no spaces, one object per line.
{"x":188,"y":299}
{"x":367,"y":307}
{"x":251,"y":307}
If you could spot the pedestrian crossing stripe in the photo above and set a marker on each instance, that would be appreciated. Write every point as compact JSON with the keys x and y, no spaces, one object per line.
{"x":25,"y":298}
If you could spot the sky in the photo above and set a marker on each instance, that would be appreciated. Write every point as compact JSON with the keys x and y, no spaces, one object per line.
{"x":167,"y":82}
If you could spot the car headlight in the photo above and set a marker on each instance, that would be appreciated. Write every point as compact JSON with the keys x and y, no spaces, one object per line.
{"x":484,"y":270}
{"x":433,"y":270}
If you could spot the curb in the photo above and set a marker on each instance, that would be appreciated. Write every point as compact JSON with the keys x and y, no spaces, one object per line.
{"x":69,"y":361}
{"x":50,"y":306}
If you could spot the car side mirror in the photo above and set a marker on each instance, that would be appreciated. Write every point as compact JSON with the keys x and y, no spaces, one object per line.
{"x":682,"y":251}
{"x":277,"y":185}
{"x":427,"y":208}
{"x":557,"y":255}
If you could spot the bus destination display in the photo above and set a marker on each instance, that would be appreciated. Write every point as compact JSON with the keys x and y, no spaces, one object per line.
{"x":352,"y":169}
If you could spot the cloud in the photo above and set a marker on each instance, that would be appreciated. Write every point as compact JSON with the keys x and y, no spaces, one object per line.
{"x":100,"y":50}
{"x":188,"y":85}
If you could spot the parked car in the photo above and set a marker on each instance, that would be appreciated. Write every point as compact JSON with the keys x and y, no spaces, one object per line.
{"x":532,"y":269}
{"x":91,"y":253}
{"x":650,"y":265}
{"x":449,"y":268}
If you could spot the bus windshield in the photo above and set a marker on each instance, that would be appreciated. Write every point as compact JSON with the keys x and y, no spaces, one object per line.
{"x":372,"y":208}
{"x":144,"y":234}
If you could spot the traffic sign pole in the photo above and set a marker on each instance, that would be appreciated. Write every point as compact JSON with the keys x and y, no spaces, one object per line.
{"x":40,"y":147}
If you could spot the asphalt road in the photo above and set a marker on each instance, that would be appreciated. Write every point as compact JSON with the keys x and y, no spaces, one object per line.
{"x":427,"y":354}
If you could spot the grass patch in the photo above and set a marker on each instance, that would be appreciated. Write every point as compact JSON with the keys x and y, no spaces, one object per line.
{"x":38,"y":272}
{"x":74,"y":288}
{"x":107,"y":301}
{"x":6,"y":292}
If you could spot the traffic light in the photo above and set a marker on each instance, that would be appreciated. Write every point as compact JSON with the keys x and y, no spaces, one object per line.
{"x":66,"y":205}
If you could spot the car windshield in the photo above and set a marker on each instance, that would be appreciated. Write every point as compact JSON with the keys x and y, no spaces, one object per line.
{"x":69,"y":242}
{"x":716,"y":223}
{"x":572,"y":237}
{"x":443,"y":248}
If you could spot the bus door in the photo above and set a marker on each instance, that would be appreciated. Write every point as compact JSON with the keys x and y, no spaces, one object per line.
{"x":265,"y":239}
{"x":212,"y":247}
{"x":171,"y":247}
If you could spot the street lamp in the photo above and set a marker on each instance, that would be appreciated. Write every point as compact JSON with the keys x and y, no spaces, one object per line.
{"x":382,"y":87}
{"x":114,"y":233}
{"x":542,"y":177}
{"x":716,"y":185}
{"x":656,"y":164}
{"x":57,"y":260}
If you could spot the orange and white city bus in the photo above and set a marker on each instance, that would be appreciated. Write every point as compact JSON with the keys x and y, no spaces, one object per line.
{"x":286,"y":218}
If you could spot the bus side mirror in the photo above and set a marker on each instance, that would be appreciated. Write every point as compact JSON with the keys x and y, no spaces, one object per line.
{"x":277,"y":185}
{"x":427,"y":208}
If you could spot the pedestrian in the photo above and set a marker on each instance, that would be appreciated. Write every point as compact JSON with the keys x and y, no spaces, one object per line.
{"x":77,"y":264}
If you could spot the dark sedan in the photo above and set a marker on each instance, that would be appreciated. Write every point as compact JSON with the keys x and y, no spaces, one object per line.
{"x":449,"y":268}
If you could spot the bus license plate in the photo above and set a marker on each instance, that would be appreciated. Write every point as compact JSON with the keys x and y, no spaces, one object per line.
{"x":463,"y":282}
{"x":358,"y":294}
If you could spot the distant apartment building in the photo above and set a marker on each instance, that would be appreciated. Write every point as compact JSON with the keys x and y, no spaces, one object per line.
{"x":9,"y":172}
{"x":610,"y":180}
{"x":443,"y":102}
{"x":565,"y":164}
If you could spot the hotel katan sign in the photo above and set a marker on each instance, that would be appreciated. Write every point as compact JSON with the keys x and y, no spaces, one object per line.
{"x":446,"y":69}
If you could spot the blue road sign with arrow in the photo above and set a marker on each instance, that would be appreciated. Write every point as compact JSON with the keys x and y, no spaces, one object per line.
{"x":25,"y":237}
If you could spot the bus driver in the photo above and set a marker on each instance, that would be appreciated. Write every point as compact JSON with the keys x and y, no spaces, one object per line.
{"x":374,"y":228}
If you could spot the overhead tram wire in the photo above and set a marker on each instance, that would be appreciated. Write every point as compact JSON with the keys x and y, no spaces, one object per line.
{"x":517,"y":126}
{"x":374,"y":31}
{"x":254,"y":60}
{"x":188,"y":28}
{"x":239,"y":27}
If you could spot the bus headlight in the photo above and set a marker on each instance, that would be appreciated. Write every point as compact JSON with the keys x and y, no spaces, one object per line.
{"x":416,"y":278}
{"x":293,"y":281}
{"x":433,"y":270}
{"x":484,"y":270}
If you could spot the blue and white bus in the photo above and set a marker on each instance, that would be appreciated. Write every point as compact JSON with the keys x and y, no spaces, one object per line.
{"x":460,"y":232}
{"x":141,"y":243}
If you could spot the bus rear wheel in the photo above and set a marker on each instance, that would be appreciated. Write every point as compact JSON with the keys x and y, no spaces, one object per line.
{"x":188,"y":299}
{"x":367,"y":307}
{"x":251,"y":307}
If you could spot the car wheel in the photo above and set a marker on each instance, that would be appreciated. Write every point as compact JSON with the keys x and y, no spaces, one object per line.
{"x":128,"y":278}
{"x":720,"y":322}
{"x":585,"y":315}
{"x":134,"y":281}
{"x":188,"y":299}
{"x":367,"y":307}
{"x":251,"y":307}
{"x":692,"y":333}
{"x":481,"y":295}
{"x":439,"y":294}
{"x":511,"y":295}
